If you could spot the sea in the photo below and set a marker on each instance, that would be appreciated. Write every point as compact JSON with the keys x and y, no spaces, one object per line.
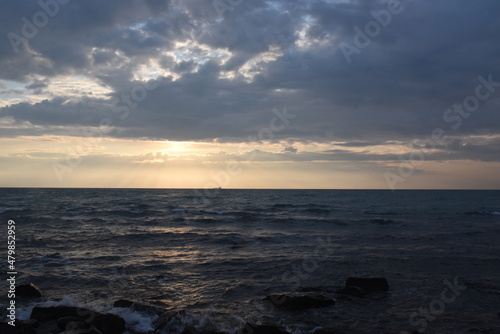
{"x":214,"y":254}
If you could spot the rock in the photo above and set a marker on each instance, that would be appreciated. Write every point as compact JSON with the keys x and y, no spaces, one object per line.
{"x":29,"y":290}
{"x":300,"y":302}
{"x":108,"y":323}
{"x":354,"y":291}
{"x":20,"y":328}
{"x":143,"y":308}
{"x":94,"y":330}
{"x":190,"y":330}
{"x":76,"y":318}
{"x":72,"y":324}
{"x":193,"y":330}
{"x":123,"y":303}
{"x":43,"y":314}
{"x":329,"y":331}
{"x":262,"y":329}
{"x":48,"y":327}
{"x":316,"y":289}
{"x":358,"y":286}
{"x":173,"y":321}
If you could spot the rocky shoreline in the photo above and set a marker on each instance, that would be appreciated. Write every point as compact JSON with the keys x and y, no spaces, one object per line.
{"x":76,"y":320}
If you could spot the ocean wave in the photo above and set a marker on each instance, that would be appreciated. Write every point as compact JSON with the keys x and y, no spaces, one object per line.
{"x":382,"y":213}
{"x":481,"y":213}
{"x":381,"y":221}
{"x":214,"y":212}
{"x":316,"y":210}
{"x":177,"y":210}
{"x":134,"y":320}
{"x":206,"y":220}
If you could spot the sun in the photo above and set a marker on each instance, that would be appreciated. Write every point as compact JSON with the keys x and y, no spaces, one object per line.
{"x":176,"y":147}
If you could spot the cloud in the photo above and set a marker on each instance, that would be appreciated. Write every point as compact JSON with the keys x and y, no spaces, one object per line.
{"x":220,"y":78}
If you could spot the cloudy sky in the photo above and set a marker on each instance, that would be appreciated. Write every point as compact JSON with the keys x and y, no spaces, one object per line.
{"x":250,"y":93}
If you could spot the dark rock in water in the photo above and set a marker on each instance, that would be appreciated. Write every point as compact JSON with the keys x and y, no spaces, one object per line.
{"x":262,"y":329}
{"x":19,"y":328}
{"x":48,"y":327}
{"x":67,"y":323}
{"x":29,"y":290}
{"x":75,"y":318}
{"x":193,"y":330}
{"x":329,"y":331}
{"x":108,"y":323}
{"x":316,"y":289}
{"x":43,"y":314}
{"x":354,"y":291}
{"x":300,"y":302}
{"x":93,"y":330}
{"x":174,"y":321}
{"x":367,"y":285}
{"x":123,"y":303}
{"x":143,"y":308}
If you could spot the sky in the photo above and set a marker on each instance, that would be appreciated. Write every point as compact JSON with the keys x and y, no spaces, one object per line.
{"x":250,"y":94}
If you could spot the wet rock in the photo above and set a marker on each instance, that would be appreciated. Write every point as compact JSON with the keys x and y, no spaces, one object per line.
{"x":94,"y":330}
{"x":108,"y":323}
{"x":76,"y":319}
{"x":43,"y":314}
{"x":20,"y":328}
{"x":48,"y":327}
{"x":262,"y":329}
{"x":358,"y":286}
{"x":143,"y":308}
{"x":328,"y":331}
{"x":173,"y":321}
{"x":193,"y":330}
{"x":300,"y":302}
{"x":354,"y":291}
{"x":29,"y":290}
{"x":123,"y":303}
{"x":71,"y":323}
{"x":316,"y":289}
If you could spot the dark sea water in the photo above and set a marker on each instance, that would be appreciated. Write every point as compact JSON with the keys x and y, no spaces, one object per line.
{"x":216,"y":257}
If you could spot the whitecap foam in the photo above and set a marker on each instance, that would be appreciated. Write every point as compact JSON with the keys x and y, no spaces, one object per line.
{"x":25,"y":312}
{"x":134,"y":320}
{"x":137,"y":321}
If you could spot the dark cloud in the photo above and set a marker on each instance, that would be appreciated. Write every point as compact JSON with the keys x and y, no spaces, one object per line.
{"x":258,"y":56}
